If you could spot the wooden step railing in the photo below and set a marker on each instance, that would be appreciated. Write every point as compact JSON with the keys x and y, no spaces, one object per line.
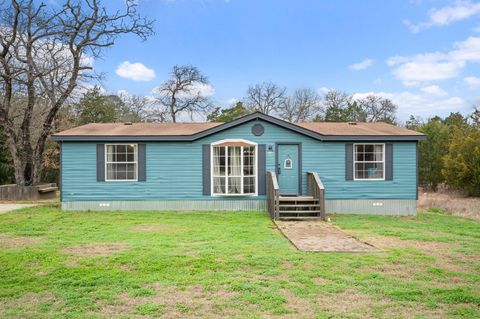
{"x":316,"y":189}
{"x":273,"y":195}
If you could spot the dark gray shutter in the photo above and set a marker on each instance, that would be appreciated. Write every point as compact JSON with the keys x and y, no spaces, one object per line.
{"x":349,"y":162}
{"x":262,"y":167}
{"x":142,"y":162}
{"x":206,"y":169}
{"x":100,"y":162}
{"x":388,"y":162}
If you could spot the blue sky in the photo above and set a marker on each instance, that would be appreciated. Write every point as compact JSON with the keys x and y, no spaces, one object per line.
{"x":424,"y":55}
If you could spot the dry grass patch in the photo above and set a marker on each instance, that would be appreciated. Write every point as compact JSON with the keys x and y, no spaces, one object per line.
{"x":299,"y":307}
{"x":92,"y":250}
{"x":410,"y":310}
{"x":150,"y":228}
{"x":28,"y":304}
{"x":452,"y":202}
{"x":17,"y":242}
{"x":156,"y":228}
{"x":395,"y":270}
{"x":174,"y":302}
{"x":445,"y":254}
{"x":351,"y":301}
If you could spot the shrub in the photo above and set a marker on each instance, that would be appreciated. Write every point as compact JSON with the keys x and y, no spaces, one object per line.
{"x":462,"y":161}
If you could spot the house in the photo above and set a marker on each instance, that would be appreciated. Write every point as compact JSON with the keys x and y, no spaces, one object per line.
{"x":256,"y":162}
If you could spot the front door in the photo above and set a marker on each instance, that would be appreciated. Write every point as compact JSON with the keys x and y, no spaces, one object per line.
{"x":288,"y":168}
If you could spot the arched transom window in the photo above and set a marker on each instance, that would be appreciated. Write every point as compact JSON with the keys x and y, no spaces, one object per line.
{"x":234,"y":167}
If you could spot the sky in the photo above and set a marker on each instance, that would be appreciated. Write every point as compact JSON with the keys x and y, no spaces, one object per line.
{"x":424,"y":55}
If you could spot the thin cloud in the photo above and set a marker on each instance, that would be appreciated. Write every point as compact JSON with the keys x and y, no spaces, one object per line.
{"x":434,"y":90}
{"x":457,"y":11}
{"x":362,"y":65}
{"x":135,"y":71}
{"x":420,"y":104}
{"x":435,"y":66}
{"x":472,"y":81}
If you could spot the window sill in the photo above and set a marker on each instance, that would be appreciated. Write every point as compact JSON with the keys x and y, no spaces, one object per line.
{"x":234,"y":195}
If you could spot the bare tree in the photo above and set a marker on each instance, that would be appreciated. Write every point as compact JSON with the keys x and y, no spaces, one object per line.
{"x":265,"y":97}
{"x":184,"y":92}
{"x":44,"y":54}
{"x":137,"y":108}
{"x":336,"y":106}
{"x":301,"y":106}
{"x":377,"y":108}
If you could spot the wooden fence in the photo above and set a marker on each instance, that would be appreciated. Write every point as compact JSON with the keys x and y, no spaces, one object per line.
{"x":13,"y":192}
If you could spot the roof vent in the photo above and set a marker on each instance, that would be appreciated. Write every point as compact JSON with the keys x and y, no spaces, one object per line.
{"x":127,"y":123}
{"x":352,"y":123}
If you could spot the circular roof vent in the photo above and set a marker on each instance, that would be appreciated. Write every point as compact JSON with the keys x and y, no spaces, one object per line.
{"x":258,"y":129}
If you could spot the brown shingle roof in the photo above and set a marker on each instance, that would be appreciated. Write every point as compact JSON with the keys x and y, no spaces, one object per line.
{"x":187,"y":129}
{"x":138,"y":129}
{"x":358,"y":128}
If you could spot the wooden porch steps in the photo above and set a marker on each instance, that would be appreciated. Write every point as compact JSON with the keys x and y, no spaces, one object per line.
{"x":301,"y":218}
{"x":297,"y":198}
{"x":298,"y":207}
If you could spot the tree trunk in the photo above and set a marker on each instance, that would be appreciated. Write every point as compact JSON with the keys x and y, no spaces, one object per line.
{"x":38,"y":163}
{"x":18,"y":164}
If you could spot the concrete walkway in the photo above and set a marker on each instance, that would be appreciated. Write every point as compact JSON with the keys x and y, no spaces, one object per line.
{"x":5,"y":208}
{"x":319,"y":236}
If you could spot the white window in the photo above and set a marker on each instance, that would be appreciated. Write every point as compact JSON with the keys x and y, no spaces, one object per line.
{"x":234,"y":168}
{"x":121,"y":162}
{"x":369,"y":161}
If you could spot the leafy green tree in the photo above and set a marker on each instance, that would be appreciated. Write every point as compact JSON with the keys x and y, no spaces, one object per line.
{"x":457,"y":120}
{"x":227,"y":115}
{"x":94,"y":107}
{"x":431,"y":152}
{"x":462,"y":162}
{"x":475,"y":117}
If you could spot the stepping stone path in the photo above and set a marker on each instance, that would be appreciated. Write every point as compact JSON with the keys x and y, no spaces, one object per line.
{"x":320,"y":236}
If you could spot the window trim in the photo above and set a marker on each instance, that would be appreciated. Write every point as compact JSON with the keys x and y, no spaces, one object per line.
{"x":355,"y":161}
{"x":217,"y":143}
{"x":134,"y":162}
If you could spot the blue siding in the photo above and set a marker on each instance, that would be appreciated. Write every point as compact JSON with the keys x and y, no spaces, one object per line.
{"x":174,"y":169}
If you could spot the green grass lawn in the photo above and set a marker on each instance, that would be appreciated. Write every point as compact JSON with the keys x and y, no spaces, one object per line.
{"x":56,"y":264}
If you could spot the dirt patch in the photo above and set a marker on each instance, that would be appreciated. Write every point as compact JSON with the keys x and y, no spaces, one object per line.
{"x":17,"y":242}
{"x":100,"y":249}
{"x":451,"y":202}
{"x":286,"y":264}
{"x":175,"y":302}
{"x":318,"y":236}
